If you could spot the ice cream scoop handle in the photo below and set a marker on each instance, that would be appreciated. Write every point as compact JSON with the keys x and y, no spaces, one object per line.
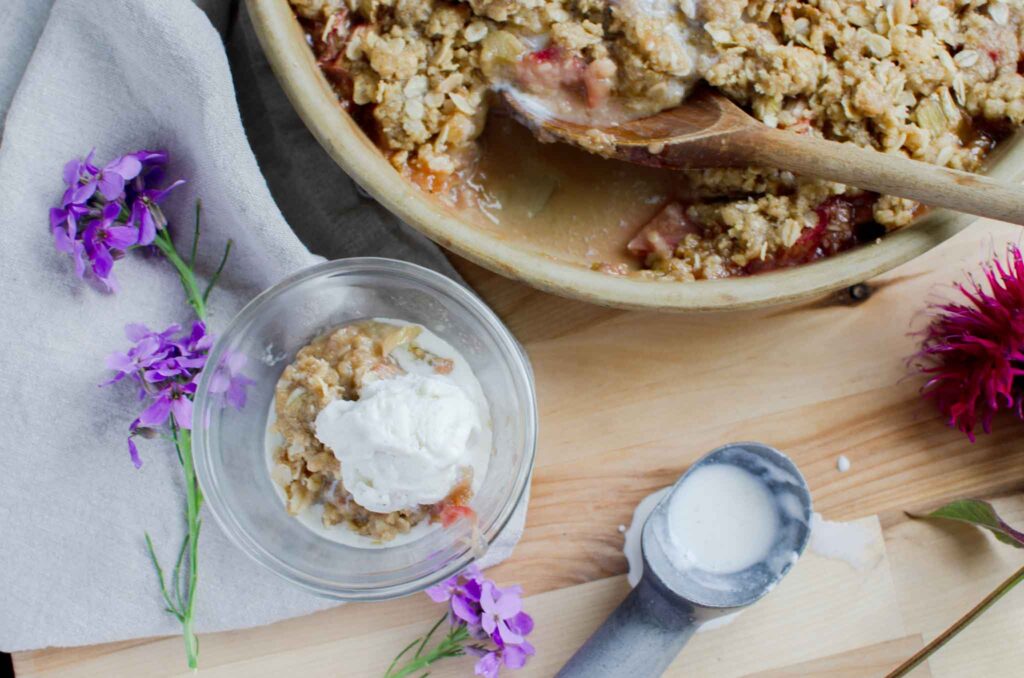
{"x":639,"y":640}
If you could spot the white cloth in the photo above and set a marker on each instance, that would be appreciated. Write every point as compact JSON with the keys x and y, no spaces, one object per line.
{"x":121,"y":75}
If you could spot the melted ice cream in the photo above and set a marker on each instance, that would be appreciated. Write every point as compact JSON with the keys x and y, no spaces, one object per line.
{"x":722,"y":519}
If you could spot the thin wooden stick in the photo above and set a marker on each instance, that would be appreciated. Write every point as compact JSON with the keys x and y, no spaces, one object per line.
{"x":947,"y":635}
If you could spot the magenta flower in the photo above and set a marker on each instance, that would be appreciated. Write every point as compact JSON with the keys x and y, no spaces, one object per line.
{"x":973,"y":351}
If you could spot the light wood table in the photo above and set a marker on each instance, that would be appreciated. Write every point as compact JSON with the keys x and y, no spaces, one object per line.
{"x":627,"y":401}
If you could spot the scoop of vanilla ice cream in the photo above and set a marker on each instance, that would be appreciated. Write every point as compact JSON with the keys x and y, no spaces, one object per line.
{"x":402,"y":443}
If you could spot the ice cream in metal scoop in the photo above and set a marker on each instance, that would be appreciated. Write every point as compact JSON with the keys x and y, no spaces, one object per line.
{"x":728,"y":531}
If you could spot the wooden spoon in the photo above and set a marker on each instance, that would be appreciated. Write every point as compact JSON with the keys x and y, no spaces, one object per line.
{"x":708,"y":130}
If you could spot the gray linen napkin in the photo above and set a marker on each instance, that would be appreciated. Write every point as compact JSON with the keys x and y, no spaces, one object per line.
{"x":121,"y":75}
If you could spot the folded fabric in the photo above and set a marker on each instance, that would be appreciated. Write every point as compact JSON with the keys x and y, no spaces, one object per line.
{"x":120,"y":75}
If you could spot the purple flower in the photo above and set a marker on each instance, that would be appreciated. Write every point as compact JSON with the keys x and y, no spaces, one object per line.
{"x":185,"y":356}
{"x":175,"y":398}
{"x":80,"y":177}
{"x":146,"y":214}
{"x":142,"y":217}
{"x":488,"y":665}
{"x":196,"y":341}
{"x":151,"y":158}
{"x":492,"y":618}
{"x":515,"y":656}
{"x":499,"y":608}
{"x":491,"y":661}
{"x":462,"y":593}
{"x":165,"y":365}
{"x":106,"y":211}
{"x":84,"y":179}
{"x":137,"y":332}
{"x":103,"y":239}
{"x":521,"y":624}
{"x":149,"y":348}
{"x":64,"y":227}
{"x":230,"y":382}
{"x":66,"y":218}
{"x":133,"y":453}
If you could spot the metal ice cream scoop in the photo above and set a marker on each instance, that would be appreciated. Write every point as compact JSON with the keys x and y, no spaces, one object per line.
{"x":649,"y":628}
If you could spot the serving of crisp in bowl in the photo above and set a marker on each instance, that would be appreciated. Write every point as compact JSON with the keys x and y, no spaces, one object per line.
{"x":405,"y":97}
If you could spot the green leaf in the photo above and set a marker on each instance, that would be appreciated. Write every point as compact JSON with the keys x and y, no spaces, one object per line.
{"x":170,"y":607}
{"x":399,"y":657}
{"x":982,"y":514}
{"x":176,"y":577}
{"x":195,"y":236}
{"x":430,"y":633}
{"x":216,"y":274}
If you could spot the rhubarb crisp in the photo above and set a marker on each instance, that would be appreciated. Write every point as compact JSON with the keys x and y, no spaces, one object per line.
{"x":376,"y":493}
{"x":934,"y":80}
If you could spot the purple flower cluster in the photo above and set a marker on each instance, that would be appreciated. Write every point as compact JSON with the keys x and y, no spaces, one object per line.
{"x":492,"y":615}
{"x":166,"y":366}
{"x":107,"y":210}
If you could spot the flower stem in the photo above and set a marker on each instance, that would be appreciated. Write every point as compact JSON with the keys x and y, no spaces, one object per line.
{"x":193,"y":292}
{"x":962,"y":623}
{"x":193,"y":503}
{"x":185,"y":580}
{"x":191,"y":642}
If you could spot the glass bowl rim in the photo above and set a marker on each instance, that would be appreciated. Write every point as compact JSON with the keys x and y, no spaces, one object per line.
{"x":518,"y":364}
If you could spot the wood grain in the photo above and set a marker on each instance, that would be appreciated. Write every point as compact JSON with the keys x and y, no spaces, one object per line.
{"x":869,"y":660}
{"x":627,"y":401}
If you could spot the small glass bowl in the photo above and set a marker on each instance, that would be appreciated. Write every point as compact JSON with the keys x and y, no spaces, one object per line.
{"x":230,"y":446}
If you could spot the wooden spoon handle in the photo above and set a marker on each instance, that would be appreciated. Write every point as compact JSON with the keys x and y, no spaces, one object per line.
{"x":886,"y":173}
